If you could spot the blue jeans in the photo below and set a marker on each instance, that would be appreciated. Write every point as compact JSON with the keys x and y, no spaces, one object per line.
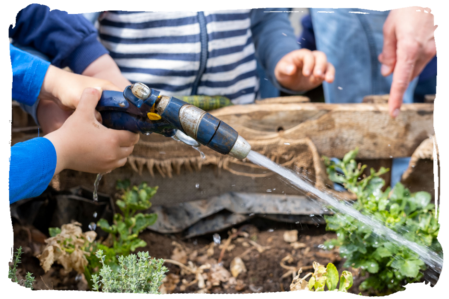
{"x":352,"y":42}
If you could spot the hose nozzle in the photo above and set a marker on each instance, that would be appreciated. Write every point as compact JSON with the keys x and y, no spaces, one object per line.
{"x":203,"y":127}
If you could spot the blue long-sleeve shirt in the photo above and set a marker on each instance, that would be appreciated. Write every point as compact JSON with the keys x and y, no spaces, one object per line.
{"x":32,"y":162}
{"x":61,"y":38}
{"x":67,"y":39}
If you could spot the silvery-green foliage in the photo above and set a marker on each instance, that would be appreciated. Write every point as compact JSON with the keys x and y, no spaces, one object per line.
{"x":27,"y":283}
{"x":135,"y":274}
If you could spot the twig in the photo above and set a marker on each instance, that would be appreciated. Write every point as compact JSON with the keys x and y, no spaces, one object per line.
{"x":179,"y":264}
{"x":44,"y":283}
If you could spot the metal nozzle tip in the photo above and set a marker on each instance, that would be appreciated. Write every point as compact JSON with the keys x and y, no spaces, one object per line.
{"x":141,"y":91}
{"x":240,"y":149}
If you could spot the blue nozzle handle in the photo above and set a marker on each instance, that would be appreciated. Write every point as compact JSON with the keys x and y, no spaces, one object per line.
{"x":119,"y":113}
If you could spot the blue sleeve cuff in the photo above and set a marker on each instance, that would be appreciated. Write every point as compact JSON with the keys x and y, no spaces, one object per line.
{"x":86,"y":53}
{"x":32,"y":166}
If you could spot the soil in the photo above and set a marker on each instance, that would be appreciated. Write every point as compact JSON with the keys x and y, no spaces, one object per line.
{"x":264,"y":272}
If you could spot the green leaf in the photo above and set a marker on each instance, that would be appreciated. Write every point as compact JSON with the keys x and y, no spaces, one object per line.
{"x":143,"y":221}
{"x":332,"y":277}
{"x":104,"y":225}
{"x":422,"y":198}
{"x":122,"y":185}
{"x":371,"y":266}
{"x":381,"y":253}
{"x":121,"y":204}
{"x":136,"y":243}
{"x":398,"y":192}
{"x":53,"y":231}
{"x":374,"y":185}
{"x":395,"y":209}
{"x":346,"y":281}
{"x":409,"y":268}
{"x":350,"y":156}
{"x":320,"y":283}
{"x":311,"y":284}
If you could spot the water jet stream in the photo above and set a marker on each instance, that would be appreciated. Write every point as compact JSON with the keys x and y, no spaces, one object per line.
{"x":428,"y":256}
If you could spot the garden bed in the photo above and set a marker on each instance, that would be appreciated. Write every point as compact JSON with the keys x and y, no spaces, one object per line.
{"x":263,"y":269}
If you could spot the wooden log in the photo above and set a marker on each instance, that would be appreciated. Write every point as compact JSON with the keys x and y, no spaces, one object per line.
{"x":335,"y":129}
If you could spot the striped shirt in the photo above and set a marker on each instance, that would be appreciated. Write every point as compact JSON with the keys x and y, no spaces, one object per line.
{"x":185,"y":53}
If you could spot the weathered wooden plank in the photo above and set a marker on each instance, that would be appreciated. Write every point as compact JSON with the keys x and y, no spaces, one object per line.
{"x":336,"y":129}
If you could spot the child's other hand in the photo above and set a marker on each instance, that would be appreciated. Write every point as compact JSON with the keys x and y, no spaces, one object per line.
{"x":65,"y":88}
{"x":303,"y":70}
{"x":105,"y":68}
{"x":84,"y":144}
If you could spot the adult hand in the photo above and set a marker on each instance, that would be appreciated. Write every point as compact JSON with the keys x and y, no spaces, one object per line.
{"x":84,"y":144}
{"x":303,"y":70}
{"x":409,"y":45}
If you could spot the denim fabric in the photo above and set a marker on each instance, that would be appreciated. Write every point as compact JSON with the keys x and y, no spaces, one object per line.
{"x":352,"y":42}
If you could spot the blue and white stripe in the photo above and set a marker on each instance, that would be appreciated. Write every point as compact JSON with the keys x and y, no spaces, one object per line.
{"x":164,"y":50}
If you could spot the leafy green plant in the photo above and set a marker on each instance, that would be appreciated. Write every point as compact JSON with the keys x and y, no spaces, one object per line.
{"x":322,"y":277}
{"x":125,"y":230}
{"x":76,"y":250}
{"x":12,"y":273}
{"x":411,"y":214}
{"x":135,"y":274}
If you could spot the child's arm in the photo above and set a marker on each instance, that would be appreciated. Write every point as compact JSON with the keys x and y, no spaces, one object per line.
{"x":67,"y":39}
{"x":81,"y":144}
{"x":288,"y":68}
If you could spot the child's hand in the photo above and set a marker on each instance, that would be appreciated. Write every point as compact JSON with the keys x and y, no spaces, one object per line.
{"x":65,"y":88}
{"x":84,"y":144}
{"x":303,"y":70}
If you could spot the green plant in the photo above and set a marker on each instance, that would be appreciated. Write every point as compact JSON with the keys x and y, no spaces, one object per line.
{"x":12,"y":273}
{"x":321,"y":278}
{"x":124,"y":232}
{"x":390,"y":266}
{"x":135,"y":274}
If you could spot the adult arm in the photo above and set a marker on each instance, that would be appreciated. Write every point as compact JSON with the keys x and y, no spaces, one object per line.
{"x":409,"y":44}
{"x":67,"y":39}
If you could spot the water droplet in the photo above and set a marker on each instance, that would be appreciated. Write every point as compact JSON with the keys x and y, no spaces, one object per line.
{"x":96,"y":183}
{"x":312,"y":215}
{"x":217,"y":239}
{"x":78,"y":277}
{"x":297,"y":222}
{"x":95,"y":215}
{"x":340,"y":88}
{"x":251,"y":214}
{"x":147,"y":133}
{"x":122,"y":104}
{"x":268,"y":190}
{"x":287,"y":143}
{"x":391,"y":156}
{"x":388,"y":145}
{"x":92,"y":226}
{"x":274,"y":189}
{"x":197,"y":185}
{"x":271,"y":230}
{"x":203,"y":156}
{"x":284,"y":34}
